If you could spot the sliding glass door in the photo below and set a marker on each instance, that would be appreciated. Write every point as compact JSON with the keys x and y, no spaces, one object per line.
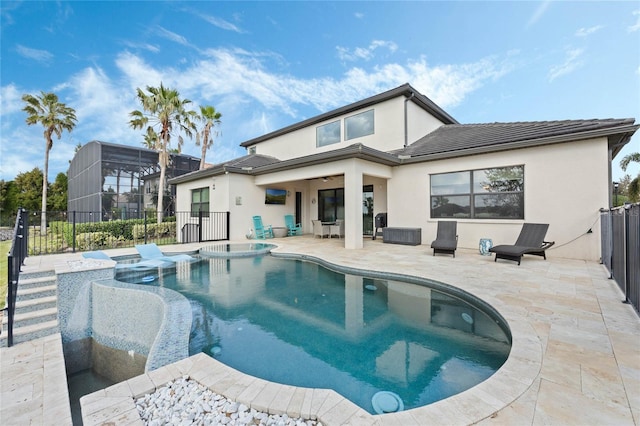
{"x":367,"y":210}
{"x":331,"y":206}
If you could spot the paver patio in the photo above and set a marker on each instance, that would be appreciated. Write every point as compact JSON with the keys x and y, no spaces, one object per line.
{"x":588,"y":371}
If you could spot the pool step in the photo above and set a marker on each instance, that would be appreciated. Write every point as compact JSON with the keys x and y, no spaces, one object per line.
{"x":36,"y":312}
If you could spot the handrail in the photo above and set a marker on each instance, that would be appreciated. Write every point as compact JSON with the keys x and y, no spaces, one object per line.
{"x":15,"y":259}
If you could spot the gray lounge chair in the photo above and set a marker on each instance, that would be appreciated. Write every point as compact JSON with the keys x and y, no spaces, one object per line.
{"x":530,"y":241}
{"x":446,"y":238}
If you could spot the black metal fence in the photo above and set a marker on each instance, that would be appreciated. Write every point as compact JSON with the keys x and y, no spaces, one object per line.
{"x":15,"y":259}
{"x":72,"y":231}
{"x":620,"y":232}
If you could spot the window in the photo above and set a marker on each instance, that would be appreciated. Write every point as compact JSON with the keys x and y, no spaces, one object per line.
{"x":328,"y":134}
{"x":358,"y":125}
{"x":496,"y":193}
{"x":200,"y":202}
{"x":252,"y":150}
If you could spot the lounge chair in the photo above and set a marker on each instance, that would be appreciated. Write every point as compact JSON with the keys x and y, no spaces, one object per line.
{"x":446,"y":238}
{"x":138,"y":266}
{"x":262,"y":232}
{"x":293,"y":228}
{"x":530,"y":241}
{"x":319,"y":229}
{"x":96,"y":255}
{"x":153,"y":252}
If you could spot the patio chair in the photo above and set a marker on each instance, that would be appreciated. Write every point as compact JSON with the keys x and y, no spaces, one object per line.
{"x":337,"y":229}
{"x":292,"y":227}
{"x":152,"y":252}
{"x":261,"y":232}
{"x":530,"y":241}
{"x":319,"y":229}
{"x":446,"y":238}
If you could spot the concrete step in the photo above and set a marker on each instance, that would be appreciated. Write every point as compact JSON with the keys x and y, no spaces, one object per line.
{"x":30,"y":332}
{"x":38,"y":274}
{"x":30,"y":305}
{"x":33,"y":317}
{"x":27,"y":283}
{"x":32,"y":293}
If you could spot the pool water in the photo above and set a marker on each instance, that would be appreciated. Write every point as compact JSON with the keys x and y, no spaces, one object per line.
{"x":299,"y":323}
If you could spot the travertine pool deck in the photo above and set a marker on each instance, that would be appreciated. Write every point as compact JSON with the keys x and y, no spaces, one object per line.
{"x":575,"y":358}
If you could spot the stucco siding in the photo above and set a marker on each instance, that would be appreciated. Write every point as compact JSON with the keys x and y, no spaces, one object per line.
{"x":419,"y":123}
{"x":388,"y":133}
{"x":565,"y":186}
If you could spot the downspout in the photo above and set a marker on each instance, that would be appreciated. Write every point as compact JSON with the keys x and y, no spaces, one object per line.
{"x":406,"y":120}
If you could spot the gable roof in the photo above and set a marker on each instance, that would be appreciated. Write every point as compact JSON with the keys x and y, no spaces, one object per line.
{"x":405,"y":90}
{"x":466,"y":139}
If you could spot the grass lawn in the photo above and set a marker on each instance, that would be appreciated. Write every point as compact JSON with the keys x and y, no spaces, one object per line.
{"x":4,"y":251}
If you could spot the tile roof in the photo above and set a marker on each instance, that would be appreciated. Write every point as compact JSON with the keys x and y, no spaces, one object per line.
{"x":461,"y":138}
{"x":242,"y":164}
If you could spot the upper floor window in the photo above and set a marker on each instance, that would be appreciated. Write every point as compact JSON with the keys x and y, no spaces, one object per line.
{"x":496,"y":193}
{"x":328,"y":134}
{"x":358,"y":125}
{"x":200,"y":202}
{"x":252,"y":149}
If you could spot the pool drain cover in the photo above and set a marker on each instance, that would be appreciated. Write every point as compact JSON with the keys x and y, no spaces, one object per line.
{"x":386,"y":402}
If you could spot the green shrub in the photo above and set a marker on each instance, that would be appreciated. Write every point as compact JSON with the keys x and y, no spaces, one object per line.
{"x":91,"y":240}
{"x":155,"y":230}
{"x":58,"y":227}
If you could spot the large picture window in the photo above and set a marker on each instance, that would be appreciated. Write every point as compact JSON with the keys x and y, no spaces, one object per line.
{"x":200,"y":202}
{"x":358,"y":125}
{"x":328,"y":134}
{"x":496,"y":193}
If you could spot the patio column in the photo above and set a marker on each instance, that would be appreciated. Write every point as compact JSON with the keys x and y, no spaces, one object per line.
{"x":353,"y":205}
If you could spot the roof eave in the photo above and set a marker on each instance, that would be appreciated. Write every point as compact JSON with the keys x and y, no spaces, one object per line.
{"x":353,"y":151}
{"x":405,"y":90}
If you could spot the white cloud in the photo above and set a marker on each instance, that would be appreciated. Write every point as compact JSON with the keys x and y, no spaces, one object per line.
{"x":538,"y":13}
{"x":635,"y":27}
{"x":169,"y":35}
{"x":42,"y":56}
{"x":10,"y":100}
{"x":583,"y":32}
{"x":359,"y":15}
{"x":144,"y":46}
{"x":365,"y":53}
{"x":572,"y":62}
{"x":221,"y":23}
{"x":242,"y":85}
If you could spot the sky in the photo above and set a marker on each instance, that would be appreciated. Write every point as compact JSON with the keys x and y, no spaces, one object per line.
{"x":266,"y":65}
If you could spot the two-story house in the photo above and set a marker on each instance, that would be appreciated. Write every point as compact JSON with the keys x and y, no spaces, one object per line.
{"x":399,"y":153}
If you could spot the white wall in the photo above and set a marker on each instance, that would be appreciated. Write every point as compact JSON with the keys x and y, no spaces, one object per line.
{"x":388,"y":134}
{"x":419,"y":123}
{"x":565,"y":186}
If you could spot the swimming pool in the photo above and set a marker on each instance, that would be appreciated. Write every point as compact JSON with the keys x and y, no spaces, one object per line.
{"x":299,"y":323}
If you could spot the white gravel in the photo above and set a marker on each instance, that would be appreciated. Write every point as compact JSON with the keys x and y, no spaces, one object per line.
{"x":187,"y":402}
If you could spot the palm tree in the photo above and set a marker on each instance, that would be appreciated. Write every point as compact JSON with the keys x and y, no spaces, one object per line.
{"x":633,"y":190}
{"x":210,"y":117}
{"x":162,"y":108}
{"x":55,"y":117}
